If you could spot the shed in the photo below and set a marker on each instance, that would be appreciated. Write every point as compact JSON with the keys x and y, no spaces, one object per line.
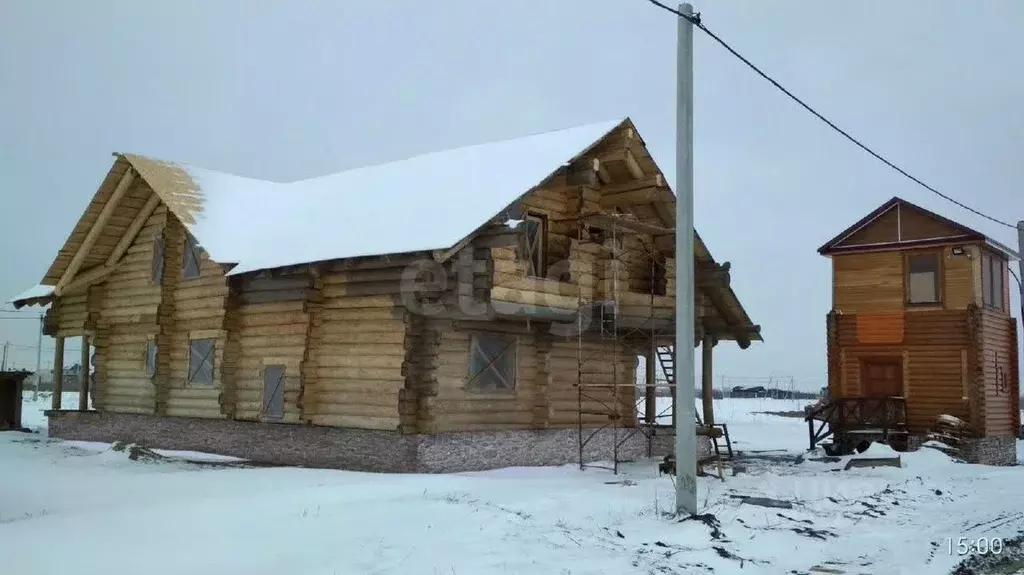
{"x":11,"y":387}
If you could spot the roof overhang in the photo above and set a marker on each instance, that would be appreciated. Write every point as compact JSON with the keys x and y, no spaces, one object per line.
{"x":38,"y":295}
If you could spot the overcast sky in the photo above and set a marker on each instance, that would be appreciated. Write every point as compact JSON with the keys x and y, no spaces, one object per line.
{"x":286,"y":90}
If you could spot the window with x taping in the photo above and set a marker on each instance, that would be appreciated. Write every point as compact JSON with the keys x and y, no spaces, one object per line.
{"x":492,"y":362}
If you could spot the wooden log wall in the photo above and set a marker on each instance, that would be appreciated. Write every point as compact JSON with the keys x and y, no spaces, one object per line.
{"x":602,"y":366}
{"x":874,"y":282}
{"x":451,"y":406}
{"x":583,"y":257}
{"x":355,"y":370}
{"x":128,"y":322}
{"x":933,"y":349}
{"x":269,"y":333}
{"x":196,"y":309}
{"x":998,"y":380}
{"x":71,"y":312}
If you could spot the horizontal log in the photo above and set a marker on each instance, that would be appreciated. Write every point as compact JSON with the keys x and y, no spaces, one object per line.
{"x":355,"y":421}
{"x":268,"y":296}
{"x":358,"y":302}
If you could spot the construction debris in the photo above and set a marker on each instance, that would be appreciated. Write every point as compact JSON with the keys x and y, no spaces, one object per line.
{"x":873,"y":462}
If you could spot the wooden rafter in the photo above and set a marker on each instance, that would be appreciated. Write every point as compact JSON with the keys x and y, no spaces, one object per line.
{"x":89,"y":277}
{"x":133,"y":230}
{"x":632,"y":165}
{"x":95,"y":231}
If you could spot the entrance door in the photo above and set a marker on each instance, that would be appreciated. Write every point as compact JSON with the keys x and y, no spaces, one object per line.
{"x":882,"y":377}
{"x":273,"y":392}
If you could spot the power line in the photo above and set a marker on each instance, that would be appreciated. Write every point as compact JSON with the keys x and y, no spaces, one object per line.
{"x":696,"y":21}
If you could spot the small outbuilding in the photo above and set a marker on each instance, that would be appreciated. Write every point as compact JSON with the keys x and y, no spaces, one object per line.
{"x":920,"y":327}
{"x":11,"y":385}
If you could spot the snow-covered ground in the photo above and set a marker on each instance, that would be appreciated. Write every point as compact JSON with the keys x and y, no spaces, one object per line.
{"x":84,"y":508}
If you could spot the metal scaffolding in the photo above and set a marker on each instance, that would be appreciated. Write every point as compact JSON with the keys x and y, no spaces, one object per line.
{"x":611,"y":407}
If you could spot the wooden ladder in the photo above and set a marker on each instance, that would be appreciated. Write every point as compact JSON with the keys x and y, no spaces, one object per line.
{"x":667,"y":360}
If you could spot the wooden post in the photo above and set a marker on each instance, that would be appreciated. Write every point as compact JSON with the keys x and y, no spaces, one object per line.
{"x":708,"y":348}
{"x":650,"y":397}
{"x":58,"y":373}
{"x":83,"y":376}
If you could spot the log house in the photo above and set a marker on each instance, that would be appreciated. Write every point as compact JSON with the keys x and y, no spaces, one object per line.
{"x":436,"y":321}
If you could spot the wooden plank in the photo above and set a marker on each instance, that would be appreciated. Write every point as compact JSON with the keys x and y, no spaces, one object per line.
{"x":285,"y":295}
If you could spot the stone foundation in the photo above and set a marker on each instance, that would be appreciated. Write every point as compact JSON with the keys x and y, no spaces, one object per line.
{"x":357,"y":449}
{"x":990,"y":450}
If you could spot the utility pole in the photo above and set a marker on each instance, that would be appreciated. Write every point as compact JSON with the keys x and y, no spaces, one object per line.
{"x":3,"y":362}
{"x":686,"y":430}
{"x":39,"y":361}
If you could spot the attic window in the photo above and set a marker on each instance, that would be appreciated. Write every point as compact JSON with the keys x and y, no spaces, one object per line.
{"x":532,"y":244}
{"x":190,"y":263}
{"x":158,"y":260}
{"x":492,"y":363}
{"x":923,"y":271}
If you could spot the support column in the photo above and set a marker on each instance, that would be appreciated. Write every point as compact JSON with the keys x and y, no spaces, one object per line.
{"x":58,"y":373}
{"x":707,"y":378}
{"x":650,"y":397}
{"x":83,"y":376}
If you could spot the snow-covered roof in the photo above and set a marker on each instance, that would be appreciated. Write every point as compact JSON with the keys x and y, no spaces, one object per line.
{"x":37,"y":292}
{"x":427,"y":202}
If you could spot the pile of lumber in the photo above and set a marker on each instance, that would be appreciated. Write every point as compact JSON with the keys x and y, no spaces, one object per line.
{"x":950,"y":431}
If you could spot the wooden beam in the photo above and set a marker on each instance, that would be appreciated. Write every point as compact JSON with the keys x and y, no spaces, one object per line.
{"x":639,"y":196}
{"x":83,"y":376}
{"x":89,"y":277}
{"x":95,"y":231}
{"x":58,"y":373}
{"x":707,"y":378}
{"x":632,"y":165}
{"x":602,"y":172}
{"x":655,"y":181}
{"x":133,"y":230}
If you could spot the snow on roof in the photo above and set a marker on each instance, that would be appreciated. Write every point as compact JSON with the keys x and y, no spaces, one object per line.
{"x":422,"y":203}
{"x":38,"y":291}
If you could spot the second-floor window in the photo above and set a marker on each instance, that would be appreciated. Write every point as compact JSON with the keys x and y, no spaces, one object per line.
{"x":993,"y":281}
{"x":190,"y":261}
{"x":158,"y":260}
{"x":923,"y":271}
{"x":533,"y":244}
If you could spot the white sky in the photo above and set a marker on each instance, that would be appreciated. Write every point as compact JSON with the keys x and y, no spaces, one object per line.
{"x":284,"y":91}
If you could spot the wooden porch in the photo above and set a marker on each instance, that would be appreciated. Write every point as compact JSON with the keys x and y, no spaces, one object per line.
{"x":851,"y":421}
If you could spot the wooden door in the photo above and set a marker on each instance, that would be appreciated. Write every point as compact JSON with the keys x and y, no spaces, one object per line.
{"x":882,"y":377}
{"x":273,"y":392}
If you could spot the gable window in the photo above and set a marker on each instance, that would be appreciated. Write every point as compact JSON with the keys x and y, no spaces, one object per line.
{"x":492,"y":363}
{"x":158,"y":260}
{"x":923,"y":271}
{"x":200,"y":361}
{"x":190,"y":261}
{"x":993,"y":281}
{"x":533,"y":244}
{"x":151,"y":358}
